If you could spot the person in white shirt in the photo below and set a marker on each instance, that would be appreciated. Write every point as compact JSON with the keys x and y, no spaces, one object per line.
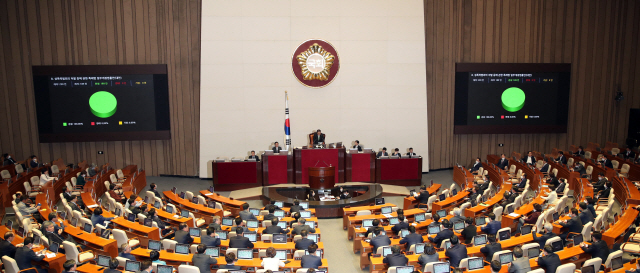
{"x":270,"y":262}
{"x":44,"y":177}
{"x":552,"y":198}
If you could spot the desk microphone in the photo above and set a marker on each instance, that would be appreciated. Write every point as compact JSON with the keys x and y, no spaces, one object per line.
{"x":325,"y":163}
{"x":317,"y":163}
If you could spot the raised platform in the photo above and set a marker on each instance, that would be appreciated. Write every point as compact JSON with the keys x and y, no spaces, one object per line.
{"x":363,"y":194}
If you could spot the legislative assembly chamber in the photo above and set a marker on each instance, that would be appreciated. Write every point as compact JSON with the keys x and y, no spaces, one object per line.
{"x":283,"y":136}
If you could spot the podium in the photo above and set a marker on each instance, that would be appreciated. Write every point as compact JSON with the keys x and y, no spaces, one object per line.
{"x":322,"y":177}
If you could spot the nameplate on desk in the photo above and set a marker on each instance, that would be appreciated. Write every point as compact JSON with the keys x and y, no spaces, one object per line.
{"x":483,"y":204}
{"x":208,"y":193}
{"x":513,"y":214}
{"x":50,"y":255}
{"x":92,"y":206}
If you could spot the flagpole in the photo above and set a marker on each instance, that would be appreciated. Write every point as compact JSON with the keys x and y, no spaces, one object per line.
{"x":287,"y":124}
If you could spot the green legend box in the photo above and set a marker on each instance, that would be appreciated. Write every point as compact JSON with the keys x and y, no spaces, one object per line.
{"x":478,"y":117}
{"x":64,"y":124}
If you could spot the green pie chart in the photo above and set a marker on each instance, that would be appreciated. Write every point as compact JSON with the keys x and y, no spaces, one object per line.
{"x":103,"y":104}
{"x":513,"y":99}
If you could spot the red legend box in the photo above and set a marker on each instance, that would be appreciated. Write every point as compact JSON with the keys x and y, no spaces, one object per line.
{"x":93,"y":123}
{"x":502,"y":117}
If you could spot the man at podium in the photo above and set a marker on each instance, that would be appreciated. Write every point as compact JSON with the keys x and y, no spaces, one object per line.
{"x":318,"y":138}
{"x":276,"y":148}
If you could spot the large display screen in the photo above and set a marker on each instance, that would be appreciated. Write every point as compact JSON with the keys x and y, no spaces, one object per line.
{"x":102,"y":103}
{"x":511,"y":98}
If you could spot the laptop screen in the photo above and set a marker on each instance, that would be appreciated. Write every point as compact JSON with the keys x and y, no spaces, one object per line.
{"x":279,"y":238}
{"x":222,"y":234}
{"x":281,"y":254}
{"x":283,"y":225}
{"x":458,"y":225}
{"x":441,"y":268}
{"x":194,"y":232}
{"x":181,"y":196}
{"x":212,"y":251}
{"x":434,"y":229}
{"x":227,"y":221}
{"x":475,"y":263}
{"x":182,"y":248}
{"x":386,"y":251}
{"x":87,"y":228}
{"x":148,"y":222}
{"x":505,"y":258}
{"x":74,"y":222}
{"x":386,"y":210}
{"x":103,"y":260}
{"x":305,"y":214}
{"x":367,"y":223}
{"x":557,"y":246}
{"x":480,"y":239}
{"x":255,"y":212}
{"x":442,"y":197}
{"x":311,"y":224}
{"x":616,"y":263}
{"x":404,"y":269}
{"x":131,"y":217}
{"x":481,"y":221}
{"x":442,"y":213}
{"x":556,"y":216}
{"x":393,"y":221}
{"x":157,"y":204}
{"x":132,"y":266}
{"x":251,"y":235}
{"x":454,"y":192}
{"x":420,"y":217}
{"x":169,"y":209}
{"x":524,"y":230}
{"x":252,"y":223}
{"x":184,"y":213}
{"x":510,"y":209}
{"x":279,"y":204}
{"x":304,"y":205}
{"x":318,"y":253}
{"x":194,"y":200}
{"x":313,"y":237}
{"x":245,"y":254}
{"x":419,"y":248}
{"x":533,"y":252}
{"x":404,"y":232}
{"x":165,"y":269}
{"x":279,"y":213}
{"x":504,"y":235}
{"x":54,"y":247}
{"x":155,"y":245}
{"x":379,"y":201}
{"x":588,"y":269}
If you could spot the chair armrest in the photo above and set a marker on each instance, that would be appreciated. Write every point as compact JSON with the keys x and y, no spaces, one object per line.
{"x":30,"y":268}
{"x":88,"y":251}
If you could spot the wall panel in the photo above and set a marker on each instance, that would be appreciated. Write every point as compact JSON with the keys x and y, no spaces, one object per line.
{"x":600,"y":38}
{"x":107,"y":32}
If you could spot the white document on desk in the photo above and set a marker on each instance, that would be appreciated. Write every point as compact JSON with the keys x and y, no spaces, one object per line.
{"x":92,"y":206}
{"x":388,"y":215}
{"x":208,"y":193}
{"x":513,"y":214}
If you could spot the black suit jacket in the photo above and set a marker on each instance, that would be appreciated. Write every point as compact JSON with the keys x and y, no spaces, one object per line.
{"x":545,"y":167}
{"x":210,"y":241}
{"x":490,"y":249}
{"x":230,"y":266}
{"x":560,"y":188}
{"x":574,"y":224}
{"x":468,"y":233}
{"x":598,"y":249}
{"x":526,"y":158}
{"x":579,"y":153}
{"x":476,"y":166}
{"x":605,"y":193}
{"x":24,"y":257}
{"x":456,"y":253}
{"x":411,"y":239}
{"x":562,"y":159}
{"x":378,"y":241}
{"x":549,"y":262}
{"x":7,"y":249}
{"x":183,"y":237}
{"x":311,"y":261}
{"x":423,"y":198}
{"x":240,"y":242}
{"x":357,"y":147}
{"x":396,"y":259}
{"x":629,"y":155}
{"x":402,"y":225}
{"x":273,"y":230}
{"x":303,"y":244}
{"x":276,"y":149}
{"x":411,"y":155}
{"x":542,"y":240}
{"x":586,"y":217}
{"x":254,"y":156}
{"x":203,"y":262}
{"x":607,"y":163}
{"x":318,"y":139}
{"x":381,"y":153}
{"x":503,"y":163}
{"x":296,"y":208}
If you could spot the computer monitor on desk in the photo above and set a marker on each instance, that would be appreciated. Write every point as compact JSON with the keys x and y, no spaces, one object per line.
{"x":284,"y":152}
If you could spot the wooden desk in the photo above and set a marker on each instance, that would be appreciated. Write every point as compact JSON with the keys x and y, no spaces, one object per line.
{"x":462,"y":177}
{"x":453,"y":201}
{"x":169,"y":217}
{"x":482,"y":207}
{"x":96,"y":243}
{"x":410,"y":202}
{"x":54,"y":264}
{"x":401,"y":171}
{"x":228,"y":176}
{"x":135,"y":229}
{"x":198,"y":210}
{"x":620,"y":227}
{"x":353,"y":220}
{"x":352,"y":211}
{"x":277,"y":169}
{"x":232,"y":205}
{"x":361,"y":167}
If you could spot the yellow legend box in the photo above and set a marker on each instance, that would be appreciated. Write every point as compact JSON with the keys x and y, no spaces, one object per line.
{"x":525,"y":116}
{"x":120,"y":122}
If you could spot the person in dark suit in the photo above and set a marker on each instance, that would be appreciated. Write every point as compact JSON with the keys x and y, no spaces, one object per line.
{"x":357,"y":146}
{"x":493,"y":226}
{"x":97,"y":217}
{"x":396,"y":152}
{"x":606,"y":162}
{"x":6,"y":247}
{"x":490,"y":248}
{"x":274,"y":228}
{"x":154,"y":188}
{"x":73,"y":203}
{"x":411,"y":153}
{"x":125,"y":252}
{"x":33,"y":163}
{"x":590,"y":205}
{"x":400,"y":226}
{"x":113,"y":266}
{"x":55,"y":236}
{"x":445,"y":233}
{"x":412,"y":238}
{"x":243,"y":225}
{"x":203,"y":261}
{"x":422,"y":196}
{"x":253,"y":156}
{"x":509,"y":197}
{"x":599,"y":185}
{"x":598,"y":248}
{"x":520,"y":264}
{"x":585,"y":214}
{"x":504,"y":162}
{"x":529,"y":159}
{"x":276,"y":147}
{"x":318,"y":138}
{"x":146,"y":266}
{"x":344,"y":194}
{"x":210,"y":239}
{"x":561,"y":186}
{"x":580,"y":151}
{"x":553,"y":180}
{"x":469,"y":231}
{"x":240,"y":241}
{"x":230,"y":258}
{"x":475,"y":192}
{"x":456,"y":216}
{"x":376,"y":224}
{"x":268,"y":217}
{"x":456,"y":252}
{"x":296,"y":207}
{"x":532,"y":218}
{"x":311,"y":260}
{"x":545,"y":167}
{"x":476,"y":166}
{"x":606,"y":191}
{"x":379,"y":240}
{"x":562,"y":159}
{"x":549,"y":261}
{"x":629,"y":154}
{"x":24,"y":256}
{"x":245,"y":214}
{"x":580,"y":169}
{"x":522,"y":183}
{"x":182,"y":235}
{"x":396,"y":258}
{"x":302,"y":227}
{"x":304,"y":243}
{"x":8,"y":159}
{"x":542,"y":240}
{"x":637,"y":270}
{"x":383,"y":152}
{"x":69,"y":266}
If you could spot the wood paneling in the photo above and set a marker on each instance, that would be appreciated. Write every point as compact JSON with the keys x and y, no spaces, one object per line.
{"x":79,"y":32}
{"x":600,"y":39}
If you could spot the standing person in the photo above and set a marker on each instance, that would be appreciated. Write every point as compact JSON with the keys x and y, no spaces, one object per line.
{"x":469,"y":231}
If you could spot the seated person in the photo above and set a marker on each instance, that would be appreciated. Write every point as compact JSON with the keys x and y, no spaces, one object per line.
{"x":296,"y":218}
{"x":503,"y":163}
{"x":509,"y":197}
{"x":296,"y":206}
{"x":113,"y":266}
{"x":165,"y":228}
{"x":573,"y":225}
{"x":412,"y":238}
{"x":318,"y":138}
{"x":25,"y":256}
{"x":311,"y":260}
{"x":302,"y":227}
{"x":154,"y":256}
{"x":254,"y":156}
{"x":400,"y":225}
{"x":230,"y":258}
{"x":396,"y":152}
{"x":357,"y":146}
{"x":490,"y":248}
{"x":114,"y":194}
{"x":629,"y":154}
{"x":268,"y":217}
{"x":203,"y":261}
{"x":242,"y":224}
{"x":430,"y":255}
{"x":274,"y":228}
{"x":245,"y":214}
{"x":396,"y":258}
{"x":549,"y":260}
{"x":271,"y":262}
{"x":383,"y":152}
{"x":80,"y":180}
{"x":97,"y":217}
{"x":476,"y":166}
{"x":375,"y":223}
{"x":211,"y":240}
{"x":532,"y":218}
{"x":456,"y":216}
{"x":276,"y":147}
{"x":520,"y":264}
{"x":580,"y":151}
{"x":552,"y":198}
{"x":344,"y":194}
{"x":125,"y":252}
{"x":45,"y":178}
{"x":529,"y":159}
{"x":182,"y":235}
{"x":445,"y":233}
{"x":33,"y":163}
{"x":469,"y":231}
{"x":585,"y":214}
{"x":411,"y":153}
{"x":493,"y":226}
{"x":303,"y":243}
{"x":542,"y":240}
{"x":216,"y":223}
{"x":597,"y":249}
{"x":456,"y":252}
{"x":240,"y":241}
{"x":27,"y":210}
{"x":379,"y":240}
{"x":495,"y":266}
